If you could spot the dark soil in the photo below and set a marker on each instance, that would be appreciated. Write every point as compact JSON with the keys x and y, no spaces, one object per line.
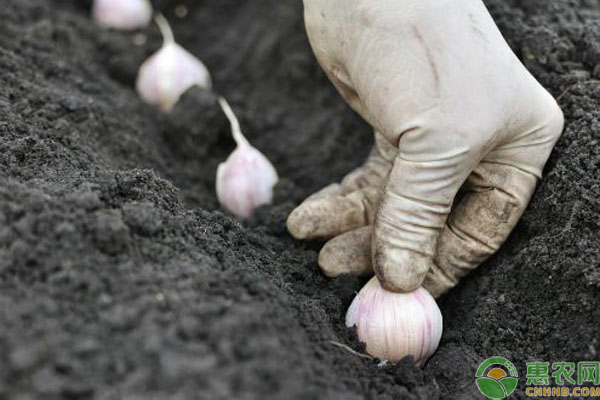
{"x":120,"y":278}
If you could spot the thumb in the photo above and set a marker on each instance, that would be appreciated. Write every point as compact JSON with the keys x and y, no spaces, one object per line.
{"x":417,"y":200}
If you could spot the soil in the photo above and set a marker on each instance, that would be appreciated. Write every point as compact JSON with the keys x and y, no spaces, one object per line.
{"x":120,"y":277}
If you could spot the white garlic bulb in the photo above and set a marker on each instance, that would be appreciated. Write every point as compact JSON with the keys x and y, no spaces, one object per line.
{"x":122,"y":14}
{"x":396,"y":325}
{"x":170,"y":72}
{"x":246,"y":180}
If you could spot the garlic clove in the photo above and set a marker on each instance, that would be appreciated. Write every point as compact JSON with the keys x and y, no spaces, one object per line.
{"x":122,"y":14}
{"x":170,"y":72}
{"x":246,"y":179}
{"x":396,"y":325}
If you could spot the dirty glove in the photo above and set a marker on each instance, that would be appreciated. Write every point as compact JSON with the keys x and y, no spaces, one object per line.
{"x":453,"y":108}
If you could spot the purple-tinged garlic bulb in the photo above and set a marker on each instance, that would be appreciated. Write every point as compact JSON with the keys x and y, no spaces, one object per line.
{"x":122,"y":14}
{"x":396,"y":325}
{"x":170,"y":72}
{"x":246,"y":180}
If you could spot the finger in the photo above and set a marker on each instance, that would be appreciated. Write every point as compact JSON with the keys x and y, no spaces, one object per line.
{"x":412,"y":214}
{"x":497,"y":195}
{"x":331,"y":215}
{"x":349,"y":253}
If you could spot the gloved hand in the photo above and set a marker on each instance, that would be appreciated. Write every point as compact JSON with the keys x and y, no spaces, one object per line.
{"x":453,"y":107}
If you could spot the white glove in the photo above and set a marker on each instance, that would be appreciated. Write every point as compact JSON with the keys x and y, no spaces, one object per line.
{"x":454,"y":107}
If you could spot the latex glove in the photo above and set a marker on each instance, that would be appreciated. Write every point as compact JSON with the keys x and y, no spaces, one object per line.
{"x":454,"y":107}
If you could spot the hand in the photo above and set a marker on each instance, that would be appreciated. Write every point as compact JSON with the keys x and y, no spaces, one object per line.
{"x":454,"y":108}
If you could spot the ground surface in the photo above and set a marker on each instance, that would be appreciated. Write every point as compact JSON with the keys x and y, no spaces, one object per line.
{"x":120,"y":278}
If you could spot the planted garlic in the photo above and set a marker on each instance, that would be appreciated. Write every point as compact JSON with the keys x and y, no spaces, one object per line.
{"x":246,"y":180}
{"x":122,"y":14}
{"x":396,"y":325}
{"x":170,"y":72}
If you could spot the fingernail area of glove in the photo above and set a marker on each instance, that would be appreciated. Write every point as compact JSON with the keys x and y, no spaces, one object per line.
{"x":301,"y":223}
{"x":399,"y":270}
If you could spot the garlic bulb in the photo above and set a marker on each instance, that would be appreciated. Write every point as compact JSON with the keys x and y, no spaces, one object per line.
{"x":246,"y":180}
{"x":396,"y":325}
{"x":170,"y":72}
{"x":122,"y":14}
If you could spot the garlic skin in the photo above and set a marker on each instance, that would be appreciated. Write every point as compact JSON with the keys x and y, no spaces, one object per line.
{"x":396,"y":325}
{"x":170,"y":72}
{"x":246,"y":179}
{"x":122,"y":14}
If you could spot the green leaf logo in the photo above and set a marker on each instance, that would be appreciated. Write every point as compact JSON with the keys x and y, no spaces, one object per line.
{"x":496,"y":378}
